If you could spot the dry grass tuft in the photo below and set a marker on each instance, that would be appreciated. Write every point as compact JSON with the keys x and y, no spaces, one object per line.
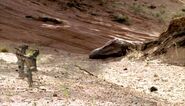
{"x":4,"y":50}
{"x":134,"y":54}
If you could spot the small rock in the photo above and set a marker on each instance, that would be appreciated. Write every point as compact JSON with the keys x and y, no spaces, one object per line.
{"x":155,"y":75}
{"x":56,"y":76}
{"x":125,"y":69}
{"x":55,"y":95}
{"x":42,"y":88}
{"x":183,"y":10}
{"x":56,"y":50}
{"x":153,"y":89}
{"x":152,"y":7}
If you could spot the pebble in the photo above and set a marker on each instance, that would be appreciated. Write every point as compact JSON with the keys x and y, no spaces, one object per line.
{"x":153,"y":89}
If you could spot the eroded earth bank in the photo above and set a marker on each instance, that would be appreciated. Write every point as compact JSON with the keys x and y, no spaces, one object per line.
{"x":66,"y":32}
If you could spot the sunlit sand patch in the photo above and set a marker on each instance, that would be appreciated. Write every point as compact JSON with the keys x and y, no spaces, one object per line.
{"x":117,"y":36}
{"x":49,"y":26}
{"x":137,"y":37}
{"x":102,"y":23}
{"x":141,"y":77}
{"x":183,"y":1}
{"x":152,"y":34}
{"x":95,"y":29}
{"x":8,"y":57}
{"x":125,"y":28}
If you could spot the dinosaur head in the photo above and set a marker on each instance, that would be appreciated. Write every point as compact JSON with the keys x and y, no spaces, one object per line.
{"x":113,"y":48}
{"x":36,"y":53}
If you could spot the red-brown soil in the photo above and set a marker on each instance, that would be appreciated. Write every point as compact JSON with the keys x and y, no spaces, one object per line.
{"x":81,"y":31}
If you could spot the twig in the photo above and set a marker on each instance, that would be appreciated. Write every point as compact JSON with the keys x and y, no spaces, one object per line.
{"x":85,"y":71}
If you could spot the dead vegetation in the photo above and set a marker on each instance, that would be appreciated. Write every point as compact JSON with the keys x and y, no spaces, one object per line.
{"x":121,"y":18}
{"x":4,"y":50}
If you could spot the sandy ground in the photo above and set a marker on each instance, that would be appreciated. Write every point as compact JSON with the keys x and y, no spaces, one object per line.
{"x":139,"y":76}
{"x":79,"y":33}
{"x":73,"y":79}
{"x":61,"y":82}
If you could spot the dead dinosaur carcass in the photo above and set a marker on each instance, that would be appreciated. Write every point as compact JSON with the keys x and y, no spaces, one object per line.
{"x":173,"y":36}
{"x":113,"y":48}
